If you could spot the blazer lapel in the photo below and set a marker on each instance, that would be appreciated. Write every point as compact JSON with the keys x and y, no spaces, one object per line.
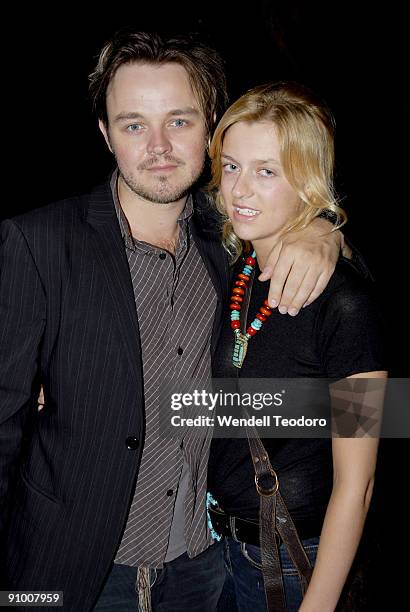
{"x":109,"y":248}
{"x":110,"y":253}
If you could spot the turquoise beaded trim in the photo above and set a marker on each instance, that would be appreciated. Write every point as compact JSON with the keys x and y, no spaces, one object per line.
{"x":211,"y":501}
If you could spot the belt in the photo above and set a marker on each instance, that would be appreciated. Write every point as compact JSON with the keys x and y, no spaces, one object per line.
{"x":247,"y":531}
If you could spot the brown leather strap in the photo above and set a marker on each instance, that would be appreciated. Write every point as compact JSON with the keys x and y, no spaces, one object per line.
{"x":271,"y":568}
{"x":289,"y":535}
{"x":274,"y":516}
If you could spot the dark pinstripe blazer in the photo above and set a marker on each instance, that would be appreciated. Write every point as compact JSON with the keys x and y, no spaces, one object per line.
{"x":67,"y":317}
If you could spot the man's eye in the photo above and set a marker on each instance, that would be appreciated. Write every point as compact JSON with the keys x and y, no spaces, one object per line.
{"x":134,"y":127}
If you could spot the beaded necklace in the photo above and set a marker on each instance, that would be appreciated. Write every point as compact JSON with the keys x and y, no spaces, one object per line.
{"x":237,"y":297}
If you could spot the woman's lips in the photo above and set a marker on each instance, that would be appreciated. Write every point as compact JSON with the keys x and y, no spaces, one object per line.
{"x":245,"y":214}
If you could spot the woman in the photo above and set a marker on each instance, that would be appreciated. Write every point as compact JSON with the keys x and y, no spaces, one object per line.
{"x":272,"y":159}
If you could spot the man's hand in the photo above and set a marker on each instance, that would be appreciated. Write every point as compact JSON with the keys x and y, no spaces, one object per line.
{"x":40,"y":400}
{"x":300,"y":266}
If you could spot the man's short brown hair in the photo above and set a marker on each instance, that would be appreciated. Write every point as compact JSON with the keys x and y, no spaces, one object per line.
{"x":202,"y":63}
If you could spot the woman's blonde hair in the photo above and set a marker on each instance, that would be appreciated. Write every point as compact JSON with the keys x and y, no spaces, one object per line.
{"x":305,"y":129}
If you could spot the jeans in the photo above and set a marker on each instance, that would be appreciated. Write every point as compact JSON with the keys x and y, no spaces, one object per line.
{"x":244,"y":588}
{"x":182,"y":584}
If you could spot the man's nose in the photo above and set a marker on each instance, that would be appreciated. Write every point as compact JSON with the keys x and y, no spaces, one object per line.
{"x":158,"y":143}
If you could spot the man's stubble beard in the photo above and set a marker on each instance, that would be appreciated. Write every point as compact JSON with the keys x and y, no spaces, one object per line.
{"x":164,"y":192}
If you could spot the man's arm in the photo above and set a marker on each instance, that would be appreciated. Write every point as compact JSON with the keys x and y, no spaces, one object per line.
{"x":300,"y":265}
{"x":22,"y":320}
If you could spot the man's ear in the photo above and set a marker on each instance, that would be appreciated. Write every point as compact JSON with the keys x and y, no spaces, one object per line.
{"x":104,"y":132}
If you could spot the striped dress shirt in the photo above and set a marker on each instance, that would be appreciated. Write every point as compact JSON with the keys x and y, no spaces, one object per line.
{"x":175,"y":302}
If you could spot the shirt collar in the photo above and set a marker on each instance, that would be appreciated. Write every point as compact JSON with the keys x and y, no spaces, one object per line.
{"x":186,"y":213}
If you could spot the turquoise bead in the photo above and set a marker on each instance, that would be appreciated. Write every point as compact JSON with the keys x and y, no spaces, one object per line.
{"x":256,"y":324}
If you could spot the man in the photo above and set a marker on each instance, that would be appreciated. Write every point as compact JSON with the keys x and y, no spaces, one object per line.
{"x":103,"y":296}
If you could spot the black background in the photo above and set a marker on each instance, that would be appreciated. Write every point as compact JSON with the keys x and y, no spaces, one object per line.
{"x":355,"y":60}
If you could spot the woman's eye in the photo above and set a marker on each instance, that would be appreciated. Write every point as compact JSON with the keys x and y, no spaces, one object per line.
{"x":230,"y":167}
{"x":266,"y":172}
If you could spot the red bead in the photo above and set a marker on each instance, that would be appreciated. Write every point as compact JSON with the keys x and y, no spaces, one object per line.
{"x":250,"y":261}
{"x":235,"y":324}
{"x":251,"y":331}
{"x":266,"y":304}
{"x":244,"y":277}
{"x":238,"y":291}
{"x":265,"y":311}
{"x":236,"y":298}
{"x":235,"y":306}
{"x":240,"y":283}
{"x":261,"y":317}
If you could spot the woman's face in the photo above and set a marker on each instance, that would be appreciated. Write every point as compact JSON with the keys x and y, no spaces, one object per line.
{"x":258,"y":198}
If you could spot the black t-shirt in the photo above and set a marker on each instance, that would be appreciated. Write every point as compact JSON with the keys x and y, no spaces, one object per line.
{"x":340,"y":334}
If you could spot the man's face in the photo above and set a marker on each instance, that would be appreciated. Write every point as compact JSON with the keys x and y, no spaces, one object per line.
{"x":156,"y":130}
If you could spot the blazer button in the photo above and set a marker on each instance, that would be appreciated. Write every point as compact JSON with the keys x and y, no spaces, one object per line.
{"x":132,"y":443}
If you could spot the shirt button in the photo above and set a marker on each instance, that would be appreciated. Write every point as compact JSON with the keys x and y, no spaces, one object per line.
{"x":132,"y":443}
{"x":170,"y":492}
{"x":162,"y":255}
{"x":180,"y":350}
